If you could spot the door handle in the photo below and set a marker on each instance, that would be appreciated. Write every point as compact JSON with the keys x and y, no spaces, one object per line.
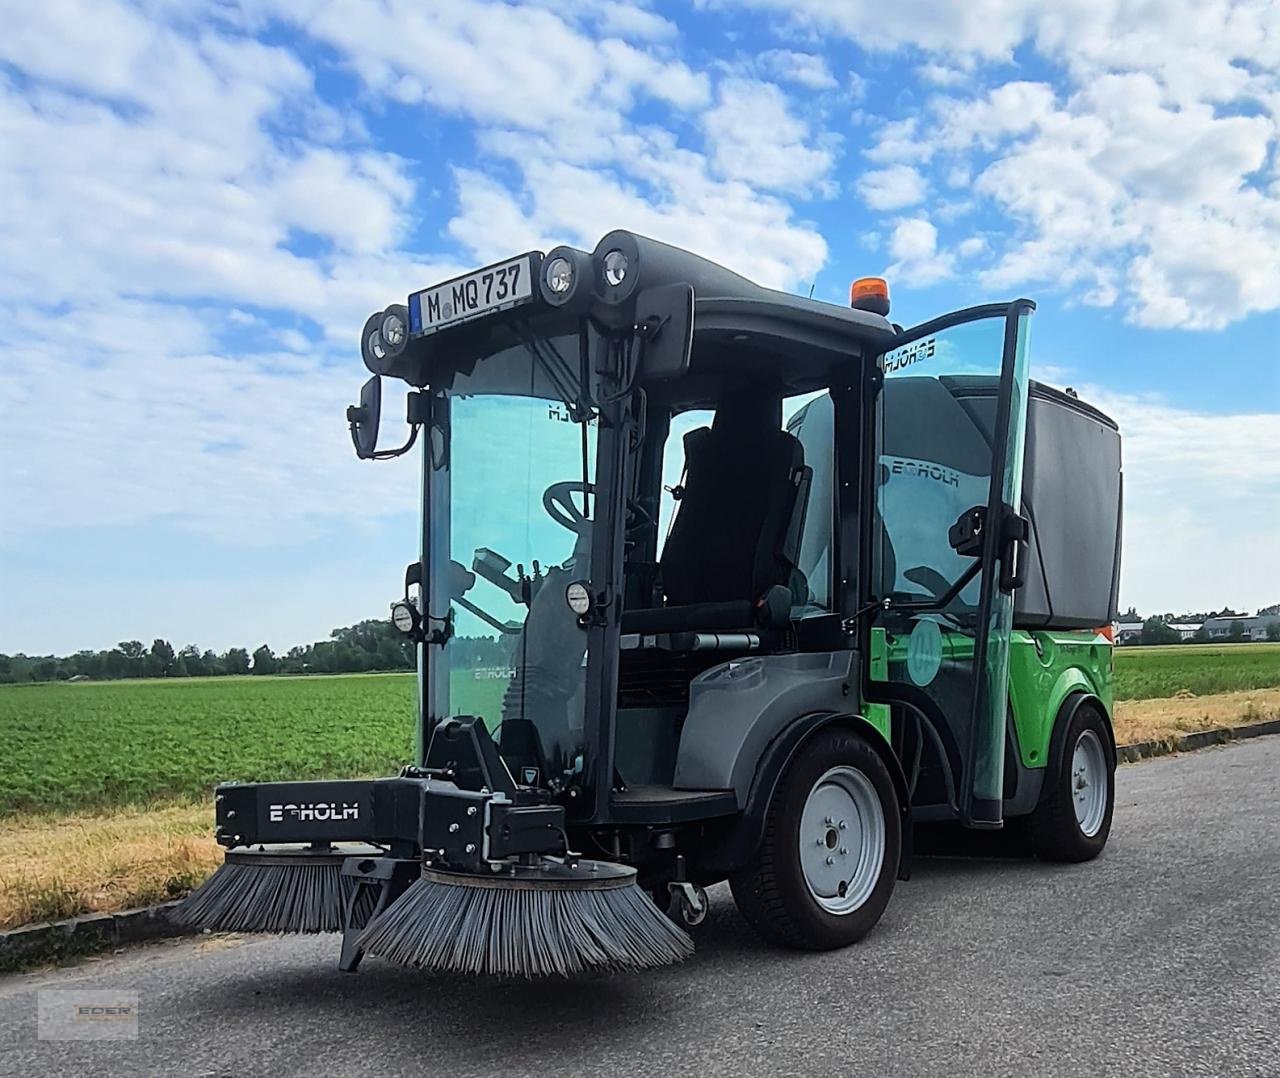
{"x":1015,"y":529}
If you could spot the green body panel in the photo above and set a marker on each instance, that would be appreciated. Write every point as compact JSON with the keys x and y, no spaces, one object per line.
{"x":1045,"y":667}
{"x":878,"y":714}
{"x":1040,"y":679}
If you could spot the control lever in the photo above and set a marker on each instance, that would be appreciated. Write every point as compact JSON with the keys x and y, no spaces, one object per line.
{"x":493,"y":567}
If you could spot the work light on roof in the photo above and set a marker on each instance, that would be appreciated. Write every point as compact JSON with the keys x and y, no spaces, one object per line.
{"x":615,"y":268}
{"x":559,"y":275}
{"x":393,"y":330}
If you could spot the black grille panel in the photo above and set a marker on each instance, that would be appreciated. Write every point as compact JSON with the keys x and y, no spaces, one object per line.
{"x":659,"y":678}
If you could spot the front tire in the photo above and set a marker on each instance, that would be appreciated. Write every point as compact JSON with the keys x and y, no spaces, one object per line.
{"x":1073,"y":820}
{"x":829,"y":855}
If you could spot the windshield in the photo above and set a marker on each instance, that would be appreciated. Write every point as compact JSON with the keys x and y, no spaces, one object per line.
{"x":518,"y":533}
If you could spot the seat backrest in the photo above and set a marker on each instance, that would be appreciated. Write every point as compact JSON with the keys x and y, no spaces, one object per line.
{"x":728,"y":536}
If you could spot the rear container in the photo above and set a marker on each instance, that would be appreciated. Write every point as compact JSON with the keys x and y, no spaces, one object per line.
{"x":1072,"y":493}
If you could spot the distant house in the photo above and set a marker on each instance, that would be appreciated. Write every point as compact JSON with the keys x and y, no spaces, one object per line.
{"x":1186,"y":630}
{"x":1254,"y":628}
{"x":1128,"y":632}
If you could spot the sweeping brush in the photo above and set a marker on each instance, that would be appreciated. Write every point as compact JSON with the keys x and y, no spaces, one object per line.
{"x":527,"y":921}
{"x":285,"y":889}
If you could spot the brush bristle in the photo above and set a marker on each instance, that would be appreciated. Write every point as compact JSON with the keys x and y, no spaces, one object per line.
{"x":303,"y":898}
{"x":525,"y":932}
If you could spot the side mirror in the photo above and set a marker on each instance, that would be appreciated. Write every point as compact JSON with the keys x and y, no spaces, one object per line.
{"x":364,"y":418}
{"x":664,"y":316}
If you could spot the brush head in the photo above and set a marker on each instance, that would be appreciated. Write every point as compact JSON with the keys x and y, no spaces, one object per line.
{"x":530,"y":922}
{"x":279,"y":889}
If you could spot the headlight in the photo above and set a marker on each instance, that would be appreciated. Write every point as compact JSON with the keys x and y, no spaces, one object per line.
{"x":393,"y":330}
{"x":615,"y":268}
{"x":559,"y":275}
{"x":404,"y":617}
{"x":578,"y":598}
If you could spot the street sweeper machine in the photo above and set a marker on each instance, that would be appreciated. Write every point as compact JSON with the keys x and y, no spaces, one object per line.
{"x":714,"y":583}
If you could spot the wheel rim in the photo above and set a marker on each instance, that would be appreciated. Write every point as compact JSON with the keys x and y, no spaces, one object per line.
{"x":842,"y":840}
{"x":1089,"y":782}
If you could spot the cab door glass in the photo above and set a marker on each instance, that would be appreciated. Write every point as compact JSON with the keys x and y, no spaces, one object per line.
{"x":934,"y":460}
{"x":811,"y":419}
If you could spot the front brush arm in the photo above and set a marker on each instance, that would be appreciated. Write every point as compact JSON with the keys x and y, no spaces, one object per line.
{"x":248,"y":813}
{"x":462,"y":810}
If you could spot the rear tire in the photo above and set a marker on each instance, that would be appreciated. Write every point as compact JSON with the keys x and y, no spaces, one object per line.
{"x":815,"y":884}
{"x":1073,"y":820}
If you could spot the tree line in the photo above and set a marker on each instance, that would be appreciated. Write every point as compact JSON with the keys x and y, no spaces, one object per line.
{"x":367,"y":646}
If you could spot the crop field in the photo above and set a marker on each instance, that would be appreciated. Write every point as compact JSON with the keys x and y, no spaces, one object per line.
{"x":98,"y":745}
{"x":1202,"y":669}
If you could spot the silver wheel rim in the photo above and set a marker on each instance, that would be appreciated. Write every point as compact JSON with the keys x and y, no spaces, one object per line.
{"x":842,"y":840}
{"x":1089,"y":782}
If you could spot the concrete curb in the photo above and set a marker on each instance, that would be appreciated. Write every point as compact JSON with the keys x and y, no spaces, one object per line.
{"x":87,"y":933}
{"x":99,"y":931}
{"x":1201,"y":739}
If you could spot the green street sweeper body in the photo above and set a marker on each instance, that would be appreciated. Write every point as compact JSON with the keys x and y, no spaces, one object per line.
{"x":714,"y":583}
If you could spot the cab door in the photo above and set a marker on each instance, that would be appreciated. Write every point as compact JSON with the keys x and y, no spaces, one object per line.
{"x":943,"y":508}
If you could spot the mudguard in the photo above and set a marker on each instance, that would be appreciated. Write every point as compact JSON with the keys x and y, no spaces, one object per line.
{"x":1065,"y":713}
{"x":739,"y":843}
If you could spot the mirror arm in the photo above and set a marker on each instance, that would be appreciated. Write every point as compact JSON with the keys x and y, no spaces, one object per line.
{"x":388,"y":454}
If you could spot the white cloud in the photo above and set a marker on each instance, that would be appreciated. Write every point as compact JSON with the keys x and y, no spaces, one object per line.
{"x":755,"y":139}
{"x":519,"y":66}
{"x":989,"y":28}
{"x":802,"y":68}
{"x":942,"y":74}
{"x":892,"y":188}
{"x":913,"y":246}
{"x":898,"y":141}
{"x":671,"y":195}
{"x":1146,"y":178}
{"x":626,"y":20}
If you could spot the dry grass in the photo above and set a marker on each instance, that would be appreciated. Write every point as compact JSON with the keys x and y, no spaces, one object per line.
{"x":59,"y":866}
{"x":1161,"y":720}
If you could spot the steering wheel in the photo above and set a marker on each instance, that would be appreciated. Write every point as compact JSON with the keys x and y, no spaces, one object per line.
{"x":561,"y":508}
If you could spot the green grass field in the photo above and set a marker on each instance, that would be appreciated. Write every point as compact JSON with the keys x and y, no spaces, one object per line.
{"x":95,"y":745}
{"x":129,"y":742}
{"x":1204,"y":669}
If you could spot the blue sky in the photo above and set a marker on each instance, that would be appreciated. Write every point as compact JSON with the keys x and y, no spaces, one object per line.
{"x":202,"y":203}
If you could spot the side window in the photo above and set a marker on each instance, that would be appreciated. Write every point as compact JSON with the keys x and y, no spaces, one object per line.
{"x":673,"y":465}
{"x":811,"y":418}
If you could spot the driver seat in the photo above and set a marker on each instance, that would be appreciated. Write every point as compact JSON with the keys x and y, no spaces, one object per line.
{"x":735,"y":535}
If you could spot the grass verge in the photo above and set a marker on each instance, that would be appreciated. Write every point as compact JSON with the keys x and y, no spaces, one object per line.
{"x":1161,"y":720}
{"x":53,"y":867}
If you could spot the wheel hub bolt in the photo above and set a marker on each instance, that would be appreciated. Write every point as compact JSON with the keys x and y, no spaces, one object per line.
{"x":831,"y":860}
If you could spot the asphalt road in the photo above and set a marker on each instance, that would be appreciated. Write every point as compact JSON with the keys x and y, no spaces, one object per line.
{"x":1162,"y":957}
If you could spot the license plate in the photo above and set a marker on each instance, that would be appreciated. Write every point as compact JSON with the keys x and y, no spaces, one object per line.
{"x":473,"y":295}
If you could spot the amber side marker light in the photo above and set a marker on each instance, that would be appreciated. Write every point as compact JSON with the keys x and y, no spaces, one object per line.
{"x":870,"y":294}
